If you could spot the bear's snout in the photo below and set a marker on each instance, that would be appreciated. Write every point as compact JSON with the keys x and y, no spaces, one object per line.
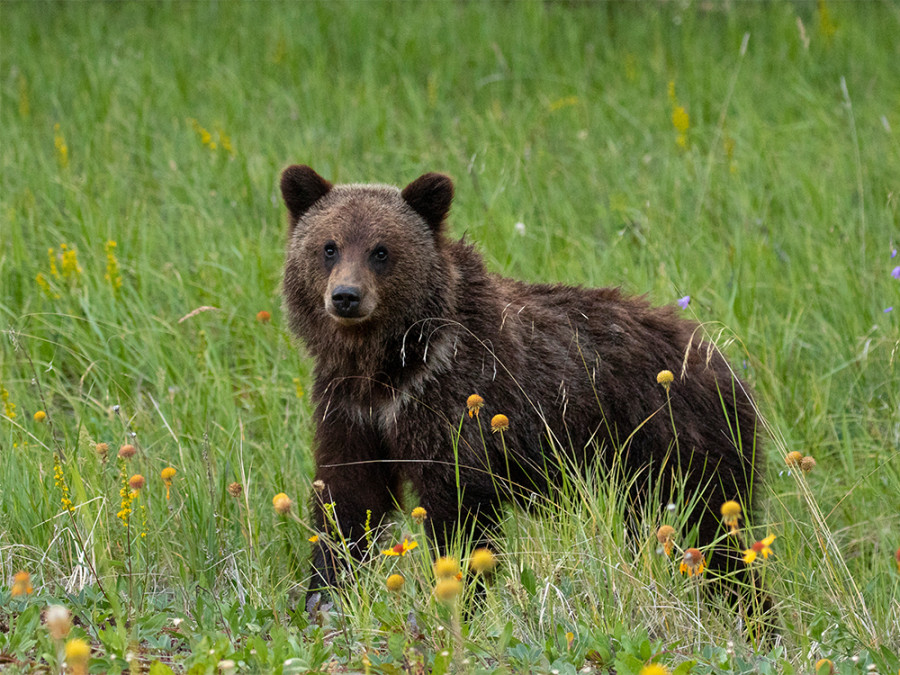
{"x":345,"y":300}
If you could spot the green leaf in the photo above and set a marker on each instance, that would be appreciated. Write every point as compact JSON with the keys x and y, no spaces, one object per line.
{"x":157,"y":668}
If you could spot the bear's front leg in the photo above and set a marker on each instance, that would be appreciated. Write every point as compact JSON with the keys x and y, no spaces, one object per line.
{"x":352,"y":488}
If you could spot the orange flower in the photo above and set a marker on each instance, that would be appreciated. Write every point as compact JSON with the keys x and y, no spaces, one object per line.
{"x":474,"y":403}
{"x":136,"y":482}
{"x":263,"y":316}
{"x":759,"y":548}
{"x":693,"y":562}
{"x":167,"y":475}
{"x":127,"y":451}
{"x":21,"y":584}
{"x":401,"y":549}
{"x":499,"y":423}
{"x":665,"y":535}
{"x":793,"y":458}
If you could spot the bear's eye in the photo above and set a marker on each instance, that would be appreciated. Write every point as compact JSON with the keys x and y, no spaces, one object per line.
{"x":380,"y":254}
{"x":330,"y":250}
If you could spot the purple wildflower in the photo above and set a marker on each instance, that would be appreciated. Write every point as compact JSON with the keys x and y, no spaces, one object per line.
{"x":896,"y":272}
{"x":893,"y":253}
{"x":686,"y":300}
{"x":888,"y":309}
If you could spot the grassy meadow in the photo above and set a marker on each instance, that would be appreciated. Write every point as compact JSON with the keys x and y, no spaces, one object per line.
{"x":744,"y":154}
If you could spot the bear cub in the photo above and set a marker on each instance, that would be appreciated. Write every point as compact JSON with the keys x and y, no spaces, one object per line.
{"x":405,"y":323}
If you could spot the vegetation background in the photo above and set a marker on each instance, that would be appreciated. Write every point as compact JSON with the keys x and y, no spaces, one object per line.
{"x":745,"y":154}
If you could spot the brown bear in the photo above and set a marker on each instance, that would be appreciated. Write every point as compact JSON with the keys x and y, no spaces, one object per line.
{"x":405,"y":324}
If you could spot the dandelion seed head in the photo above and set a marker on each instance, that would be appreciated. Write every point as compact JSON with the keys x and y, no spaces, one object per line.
{"x":58,"y":620}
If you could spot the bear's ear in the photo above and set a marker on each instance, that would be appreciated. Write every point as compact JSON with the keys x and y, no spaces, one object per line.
{"x":301,"y":187}
{"x":430,"y":196}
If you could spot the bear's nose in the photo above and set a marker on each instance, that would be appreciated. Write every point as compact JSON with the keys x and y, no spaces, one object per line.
{"x":345,"y":300}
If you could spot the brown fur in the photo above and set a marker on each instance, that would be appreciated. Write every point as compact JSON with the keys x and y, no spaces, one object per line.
{"x":577,"y":365}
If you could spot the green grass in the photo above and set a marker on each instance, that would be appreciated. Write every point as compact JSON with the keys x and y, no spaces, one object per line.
{"x":777,"y":217}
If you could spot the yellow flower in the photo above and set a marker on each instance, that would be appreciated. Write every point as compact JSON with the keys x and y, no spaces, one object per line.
{"x":793,"y":458}
{"x":447,"y":589}
{"x":62,"y":149}
{"x":693,"y":562}
{"x":69,"y":262}
{"x":113,"y":277}
{"x":167,"y":475}
{"x":759,"y":548}
{"x":474,"y":403}
{"x":654,"y":669}
{"x":395,"y":582}
{"x":40,"y":416}
{"x":282,"y":503}
{"x":419,"y":514}
{"x":77,"y":651}
{"x":665,"y":535}
{"x":680,"y":119}
{"x":824,"y":667}
{"x":499,"y":423}
{"x":21,"y":584}
{"x":9,"y":408}
{"x":483,"y":560}
{"x":137,"y":482}
{"x":446,"y":567}
{"x":665,"y":378}
{"x":731,"y":513}
{"x":401,"y":549}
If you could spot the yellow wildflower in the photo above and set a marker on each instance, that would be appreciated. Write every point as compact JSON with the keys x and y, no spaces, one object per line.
{"x":62,"y":149}
{"x":665,"y":535}
{"x":499,"y":423}
{"x":69,"y":262}
{"x":474,"y":403}
{"x":313,"y":539}
{"x":282,"y":503}
{"x":665,"y":378}
{"x":654,"y":669}
{"x":401,"y":549}
{"x":793,"y":458}
{"x":419,"y":514}
{"x":731,"y":513}
{"x":77,"y":653}
{"x":395,"y":582}
{"x":9,"y":408}
{"x":447,"y":589}
{"x":40,"y":416}
{"x":693,"y":562}
{"x":59,"y":479}
{"x":759,"y":548}
{"x":446,"y":567}
{"x":112,"y":276}
{"x":824,"y":667}
{"x":21,"y":584}
{"x":483,"y":560}
{"x":167,"y":475}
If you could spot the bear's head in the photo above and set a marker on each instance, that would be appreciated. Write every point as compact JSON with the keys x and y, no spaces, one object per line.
{"x":360,"y":256}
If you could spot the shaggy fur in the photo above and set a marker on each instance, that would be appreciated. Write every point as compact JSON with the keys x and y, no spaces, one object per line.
{"x":424,"y":325}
